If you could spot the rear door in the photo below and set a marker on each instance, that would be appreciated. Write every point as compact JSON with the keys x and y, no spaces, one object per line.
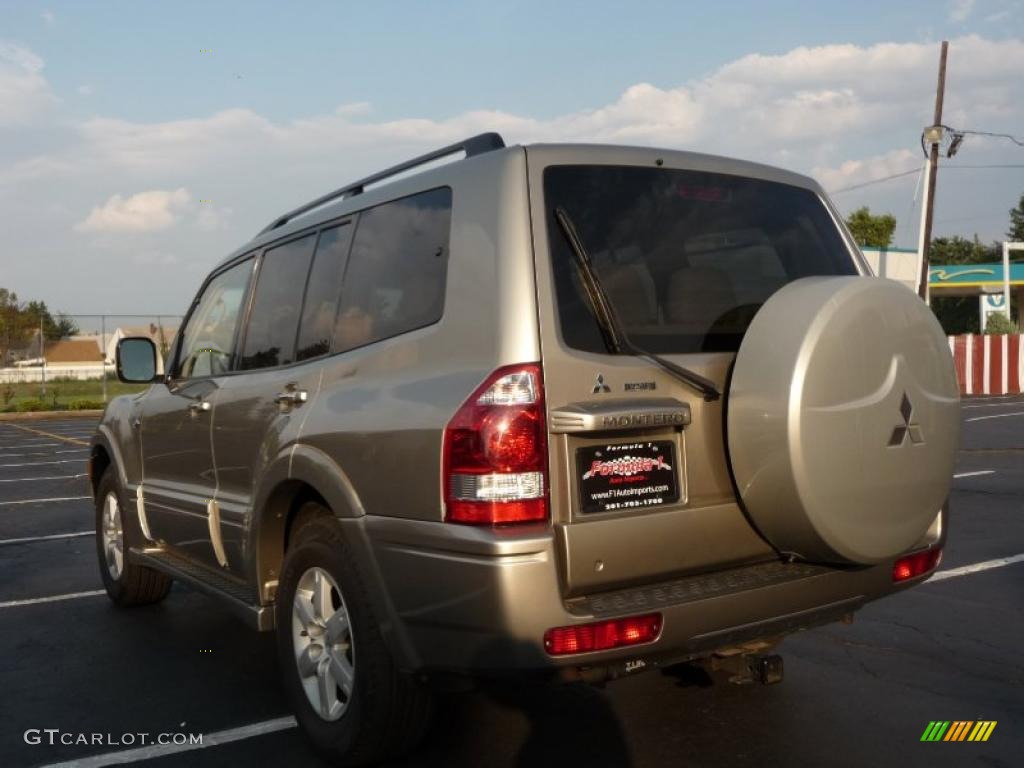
{"x":261,"y":407}
{"x":686,"y":254}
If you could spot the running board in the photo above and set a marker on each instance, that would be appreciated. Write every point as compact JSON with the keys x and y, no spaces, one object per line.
{"x":241,"y":599}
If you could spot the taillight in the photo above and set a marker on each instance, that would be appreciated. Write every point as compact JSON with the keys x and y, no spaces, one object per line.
{"x":495,"y":451}
{"x":602,"y":635}
{"x":917,"y":564}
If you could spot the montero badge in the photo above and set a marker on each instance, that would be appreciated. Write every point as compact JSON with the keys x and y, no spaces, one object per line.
{"x":613,"y":414}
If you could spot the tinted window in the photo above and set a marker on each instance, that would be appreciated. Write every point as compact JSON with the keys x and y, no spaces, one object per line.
{"x":395,"y":279}
{"x":685,"y":257}
{"x":277,"y":305}
{"x":322,"y":292}
{"x":208,"y":338}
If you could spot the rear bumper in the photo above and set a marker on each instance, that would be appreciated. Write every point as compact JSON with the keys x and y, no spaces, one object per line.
{"x":480,"y":601}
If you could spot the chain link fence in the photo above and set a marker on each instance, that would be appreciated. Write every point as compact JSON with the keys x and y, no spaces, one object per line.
{"x":68,"y":361}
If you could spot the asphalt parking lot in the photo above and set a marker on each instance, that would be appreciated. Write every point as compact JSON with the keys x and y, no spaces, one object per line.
{"x":854,"y":695}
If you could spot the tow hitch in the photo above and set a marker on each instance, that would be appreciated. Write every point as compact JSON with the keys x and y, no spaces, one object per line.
{"x":749,"y":668}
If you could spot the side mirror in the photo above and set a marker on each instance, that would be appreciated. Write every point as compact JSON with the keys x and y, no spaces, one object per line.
{"x":136,"y":360}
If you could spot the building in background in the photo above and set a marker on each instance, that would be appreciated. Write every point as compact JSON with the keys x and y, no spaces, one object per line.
{"x":982,"y":280}
{"x":899,"y":264}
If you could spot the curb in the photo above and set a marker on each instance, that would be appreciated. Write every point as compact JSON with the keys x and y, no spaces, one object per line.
{"x":50,"y":415}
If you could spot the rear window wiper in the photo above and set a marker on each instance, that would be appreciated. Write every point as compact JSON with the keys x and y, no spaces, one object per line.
{"x":615,"y":338}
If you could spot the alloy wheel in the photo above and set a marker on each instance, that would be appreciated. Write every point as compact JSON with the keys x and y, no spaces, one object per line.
{"x":323,"y":643}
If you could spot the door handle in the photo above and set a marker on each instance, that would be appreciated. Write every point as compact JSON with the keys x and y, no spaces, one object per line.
{"x":200,"y":406}
{"x":291,"y":397}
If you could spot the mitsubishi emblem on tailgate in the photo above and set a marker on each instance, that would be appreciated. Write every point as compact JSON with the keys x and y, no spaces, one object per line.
{"x":600,"y":386}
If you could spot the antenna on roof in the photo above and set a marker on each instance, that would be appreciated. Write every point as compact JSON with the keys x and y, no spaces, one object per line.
{"x":474,"y":145}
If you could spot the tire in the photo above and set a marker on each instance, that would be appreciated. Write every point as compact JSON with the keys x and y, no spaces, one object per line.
{"x":383,"y":713}
{"x":843,"y":420}
{"x":127,"y":583}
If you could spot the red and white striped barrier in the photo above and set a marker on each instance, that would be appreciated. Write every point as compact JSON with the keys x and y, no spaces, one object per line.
{"x":989,"y":365}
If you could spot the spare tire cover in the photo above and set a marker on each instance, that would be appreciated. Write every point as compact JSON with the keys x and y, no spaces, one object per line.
{"x":843,"y":419}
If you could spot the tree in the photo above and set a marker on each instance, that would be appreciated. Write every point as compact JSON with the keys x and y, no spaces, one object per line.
{"x":11,"y":332}
{"x":65,"y":327}
{"x":869,"y":230}
{"x":19,"y":323}
{"x":54,"y":329}
{"x":960,"y":250}
{"x":998,"y":323}
{"x":1016,"y":233}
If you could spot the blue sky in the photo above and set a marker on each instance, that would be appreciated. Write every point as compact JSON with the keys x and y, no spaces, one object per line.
{"x":115,"y":121}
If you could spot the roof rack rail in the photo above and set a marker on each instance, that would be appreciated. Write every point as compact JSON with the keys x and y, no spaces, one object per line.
{"x":474,"y":145}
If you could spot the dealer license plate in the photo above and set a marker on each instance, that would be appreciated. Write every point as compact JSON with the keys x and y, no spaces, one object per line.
{"x":620,"y":476}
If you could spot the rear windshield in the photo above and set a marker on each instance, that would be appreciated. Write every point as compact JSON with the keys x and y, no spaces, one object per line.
{"x":685,"y":257}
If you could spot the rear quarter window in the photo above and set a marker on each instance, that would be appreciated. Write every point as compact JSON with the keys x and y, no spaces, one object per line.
{"x":397,"y":269}
{"x":685,"y":257}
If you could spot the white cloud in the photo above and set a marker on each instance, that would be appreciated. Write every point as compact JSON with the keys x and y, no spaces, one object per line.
{"x":852,"y":172}
{"x":23,"y":88}
{"x":84,"y":90}
{"x":846,"y":114}
{"x":211,"y":218}
{"x":959,"y":10}
{"x":144,"y":212}
{"x":48,"y":17}
{"x":806,"y":103}
{"x":843,"y":113}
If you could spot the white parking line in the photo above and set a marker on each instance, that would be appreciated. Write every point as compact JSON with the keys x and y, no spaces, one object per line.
{"x":29,"y":539}
{"x":20,"y":444}
{"x":217,"y":738}
{"x":996,"y":416}
{"x":159,"y":750}
{"x":966,"y":474}
{"x":39,"y":463}
{"x":52,"y":598}
{"x":42,"y":501}
{"x":51,"y":477}
{"x":42,"y":453}
{"x":993,"y":405}
{"x":988,"y":565}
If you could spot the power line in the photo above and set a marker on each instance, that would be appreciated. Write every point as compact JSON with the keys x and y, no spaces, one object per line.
{"x":918,"y":170}
{"x":994,"y":165}
{"x":1014,"y":139}
{"x":875,"y":181}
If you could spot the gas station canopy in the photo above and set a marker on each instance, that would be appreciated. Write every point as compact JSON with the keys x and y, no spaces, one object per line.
{"x":972,"y":279}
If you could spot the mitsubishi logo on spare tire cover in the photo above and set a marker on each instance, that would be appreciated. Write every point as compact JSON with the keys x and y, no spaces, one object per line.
{"x":908,"y":428}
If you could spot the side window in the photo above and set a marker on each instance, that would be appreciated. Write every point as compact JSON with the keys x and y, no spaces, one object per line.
{"x":277,"y":305}
{"x":395,"y":279}
{"x":210,"y":333}
{"x":322,"y":292}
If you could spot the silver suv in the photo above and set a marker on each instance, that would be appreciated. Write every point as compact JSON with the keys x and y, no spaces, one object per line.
{"x":573,"y":410}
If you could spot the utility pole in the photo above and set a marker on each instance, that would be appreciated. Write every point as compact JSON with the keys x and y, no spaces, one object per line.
{"x":42,"y":354}
{"x":934,"y":136}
